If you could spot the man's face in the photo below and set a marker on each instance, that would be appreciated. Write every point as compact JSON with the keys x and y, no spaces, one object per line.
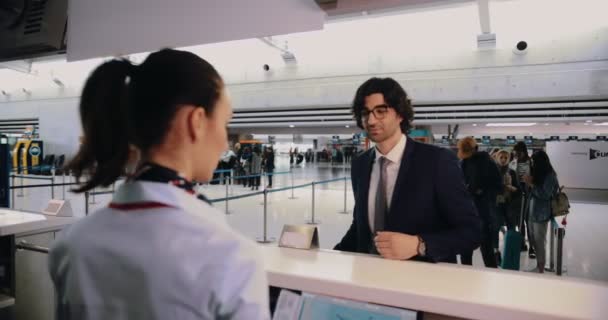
{"x":379,"y":120}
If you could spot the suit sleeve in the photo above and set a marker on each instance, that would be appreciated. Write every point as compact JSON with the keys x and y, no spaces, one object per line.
{"x":349,"y":241}
{"x":463,"y":231}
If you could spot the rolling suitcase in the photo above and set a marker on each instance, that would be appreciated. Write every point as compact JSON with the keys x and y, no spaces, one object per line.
{"x":513,"y":242}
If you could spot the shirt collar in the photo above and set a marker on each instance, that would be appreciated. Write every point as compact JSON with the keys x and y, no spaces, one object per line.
{"x":396,"y":154}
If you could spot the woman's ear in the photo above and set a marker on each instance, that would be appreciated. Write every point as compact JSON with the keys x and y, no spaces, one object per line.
{"x":196,"y":123}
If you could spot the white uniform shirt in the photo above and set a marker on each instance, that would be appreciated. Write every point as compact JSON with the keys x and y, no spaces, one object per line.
{"x":394,"y":156}
{"x":178,"y":262}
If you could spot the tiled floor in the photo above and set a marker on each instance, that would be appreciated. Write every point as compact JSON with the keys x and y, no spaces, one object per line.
{"x":585,"y":253}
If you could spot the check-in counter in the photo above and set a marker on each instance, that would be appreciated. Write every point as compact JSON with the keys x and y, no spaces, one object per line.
{"x":439,"y":291}
{"x":26,"y":291}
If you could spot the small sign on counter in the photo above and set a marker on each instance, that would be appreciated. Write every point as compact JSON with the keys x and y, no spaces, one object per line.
{"x":299,"y":237}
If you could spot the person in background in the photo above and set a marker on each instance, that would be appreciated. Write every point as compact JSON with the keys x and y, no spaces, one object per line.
{"x":256,"y":168}
{"x":269,"y":165}
{"x":158,"y":250}
{"x":246,"y":164}
{"x":227,"y":162}
{"x":511,"y":186}
{"x":237,"y":165}
{"x":504,"y":199}
{"x":484,"y":182}
{"x":521,"y":164}
{"x":543,"y":186}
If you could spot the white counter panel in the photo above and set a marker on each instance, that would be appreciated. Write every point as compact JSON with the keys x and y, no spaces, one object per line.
{"x":448,"y":289}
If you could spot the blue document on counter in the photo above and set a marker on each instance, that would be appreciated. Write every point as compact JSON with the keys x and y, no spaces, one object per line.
{"x":319,"y":307}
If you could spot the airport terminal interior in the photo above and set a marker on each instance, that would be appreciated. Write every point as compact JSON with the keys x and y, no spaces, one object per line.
{"x":501,"y":75}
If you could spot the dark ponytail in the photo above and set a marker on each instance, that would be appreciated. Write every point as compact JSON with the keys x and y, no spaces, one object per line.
{"x":123,"y":105}
{"x":104,"y":150}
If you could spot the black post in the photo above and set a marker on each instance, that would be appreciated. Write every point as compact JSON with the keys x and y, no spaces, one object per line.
{"x":5,"y":172}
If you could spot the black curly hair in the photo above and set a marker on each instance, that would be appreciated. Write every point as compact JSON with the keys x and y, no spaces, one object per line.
{"x":395,"y":98}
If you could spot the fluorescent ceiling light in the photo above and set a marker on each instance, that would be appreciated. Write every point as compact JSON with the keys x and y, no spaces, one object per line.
{"x":601,"y":124}
{"x":291,"y":126}
{"x":511,"y":124}
{"x":589,"y":121}
{"x":347,"y":126}
{"x":474,"y":124}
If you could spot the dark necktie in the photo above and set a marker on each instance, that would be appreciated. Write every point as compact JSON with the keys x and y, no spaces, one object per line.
{"x":381,"y":203}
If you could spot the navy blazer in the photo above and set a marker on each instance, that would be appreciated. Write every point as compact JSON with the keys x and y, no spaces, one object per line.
{"x":430,"y":200}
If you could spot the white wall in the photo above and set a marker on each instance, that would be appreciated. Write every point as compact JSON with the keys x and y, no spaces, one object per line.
{"x":60,"y":126}
{"x":574,"y":166}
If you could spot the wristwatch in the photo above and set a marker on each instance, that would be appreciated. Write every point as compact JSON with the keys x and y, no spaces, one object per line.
{"x":421,"y":247}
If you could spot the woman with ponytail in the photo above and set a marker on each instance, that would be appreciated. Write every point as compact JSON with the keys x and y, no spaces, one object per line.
{"x":158,"y":250}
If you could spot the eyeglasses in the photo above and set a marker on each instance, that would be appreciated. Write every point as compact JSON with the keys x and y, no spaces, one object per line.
{"x":379,"y":112}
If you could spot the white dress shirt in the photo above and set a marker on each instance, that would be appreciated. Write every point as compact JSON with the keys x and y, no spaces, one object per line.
{"x":394,"y":163}
{"x":182,"y":262}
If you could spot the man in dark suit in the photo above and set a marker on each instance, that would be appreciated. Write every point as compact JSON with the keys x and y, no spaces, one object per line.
{"x":410,"y":198}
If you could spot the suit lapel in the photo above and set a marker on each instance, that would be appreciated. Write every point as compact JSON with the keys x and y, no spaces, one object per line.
{"x":406,"y":162}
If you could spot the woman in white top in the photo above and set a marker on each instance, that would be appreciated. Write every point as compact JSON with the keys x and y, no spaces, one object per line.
{"x":158,"y":251}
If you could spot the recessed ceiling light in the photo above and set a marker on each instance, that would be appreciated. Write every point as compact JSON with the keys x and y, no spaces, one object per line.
{"x":511,"y":124}
{"x":474,"y":124}
{"x":589,"y":121}
{"x":347,"y":126}
{"x":291,"y":126}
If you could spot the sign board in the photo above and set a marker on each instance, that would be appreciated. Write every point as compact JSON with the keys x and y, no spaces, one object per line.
{"x":486,"y":139}
{"x":572,"y":138}
{"x":119,"y":27}
{"x":59,"y":208}
{"x":601,"y":138}
{"x":299,"y":237}
{"x":528,"y":139}
{"x":580,"y":164}
{"x":511,"y":140}
{"x":554,"y":138}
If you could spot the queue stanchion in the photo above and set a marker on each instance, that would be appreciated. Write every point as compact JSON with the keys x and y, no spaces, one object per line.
{"x":292,"y":195}
{"x":232,"y":181}
{"x":551,"y":248}
{"x":86,"y":203}
{"x":225,"y":178}
{"x":263,"y":185}
{"x":265,"y":238}
{"x":345,"y":211}
{"x":13,"y":192}
{"x":561,"y":232}
{"x":312,"y":220}
{"x":63,"y":185}
{"x":52,"y":183}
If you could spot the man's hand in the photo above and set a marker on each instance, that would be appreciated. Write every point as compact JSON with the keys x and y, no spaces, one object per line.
{"x":396,"y":246}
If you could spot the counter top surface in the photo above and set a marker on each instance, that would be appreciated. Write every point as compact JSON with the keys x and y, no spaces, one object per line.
{"x":448,"y":289}
{"x":13,"y":222}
